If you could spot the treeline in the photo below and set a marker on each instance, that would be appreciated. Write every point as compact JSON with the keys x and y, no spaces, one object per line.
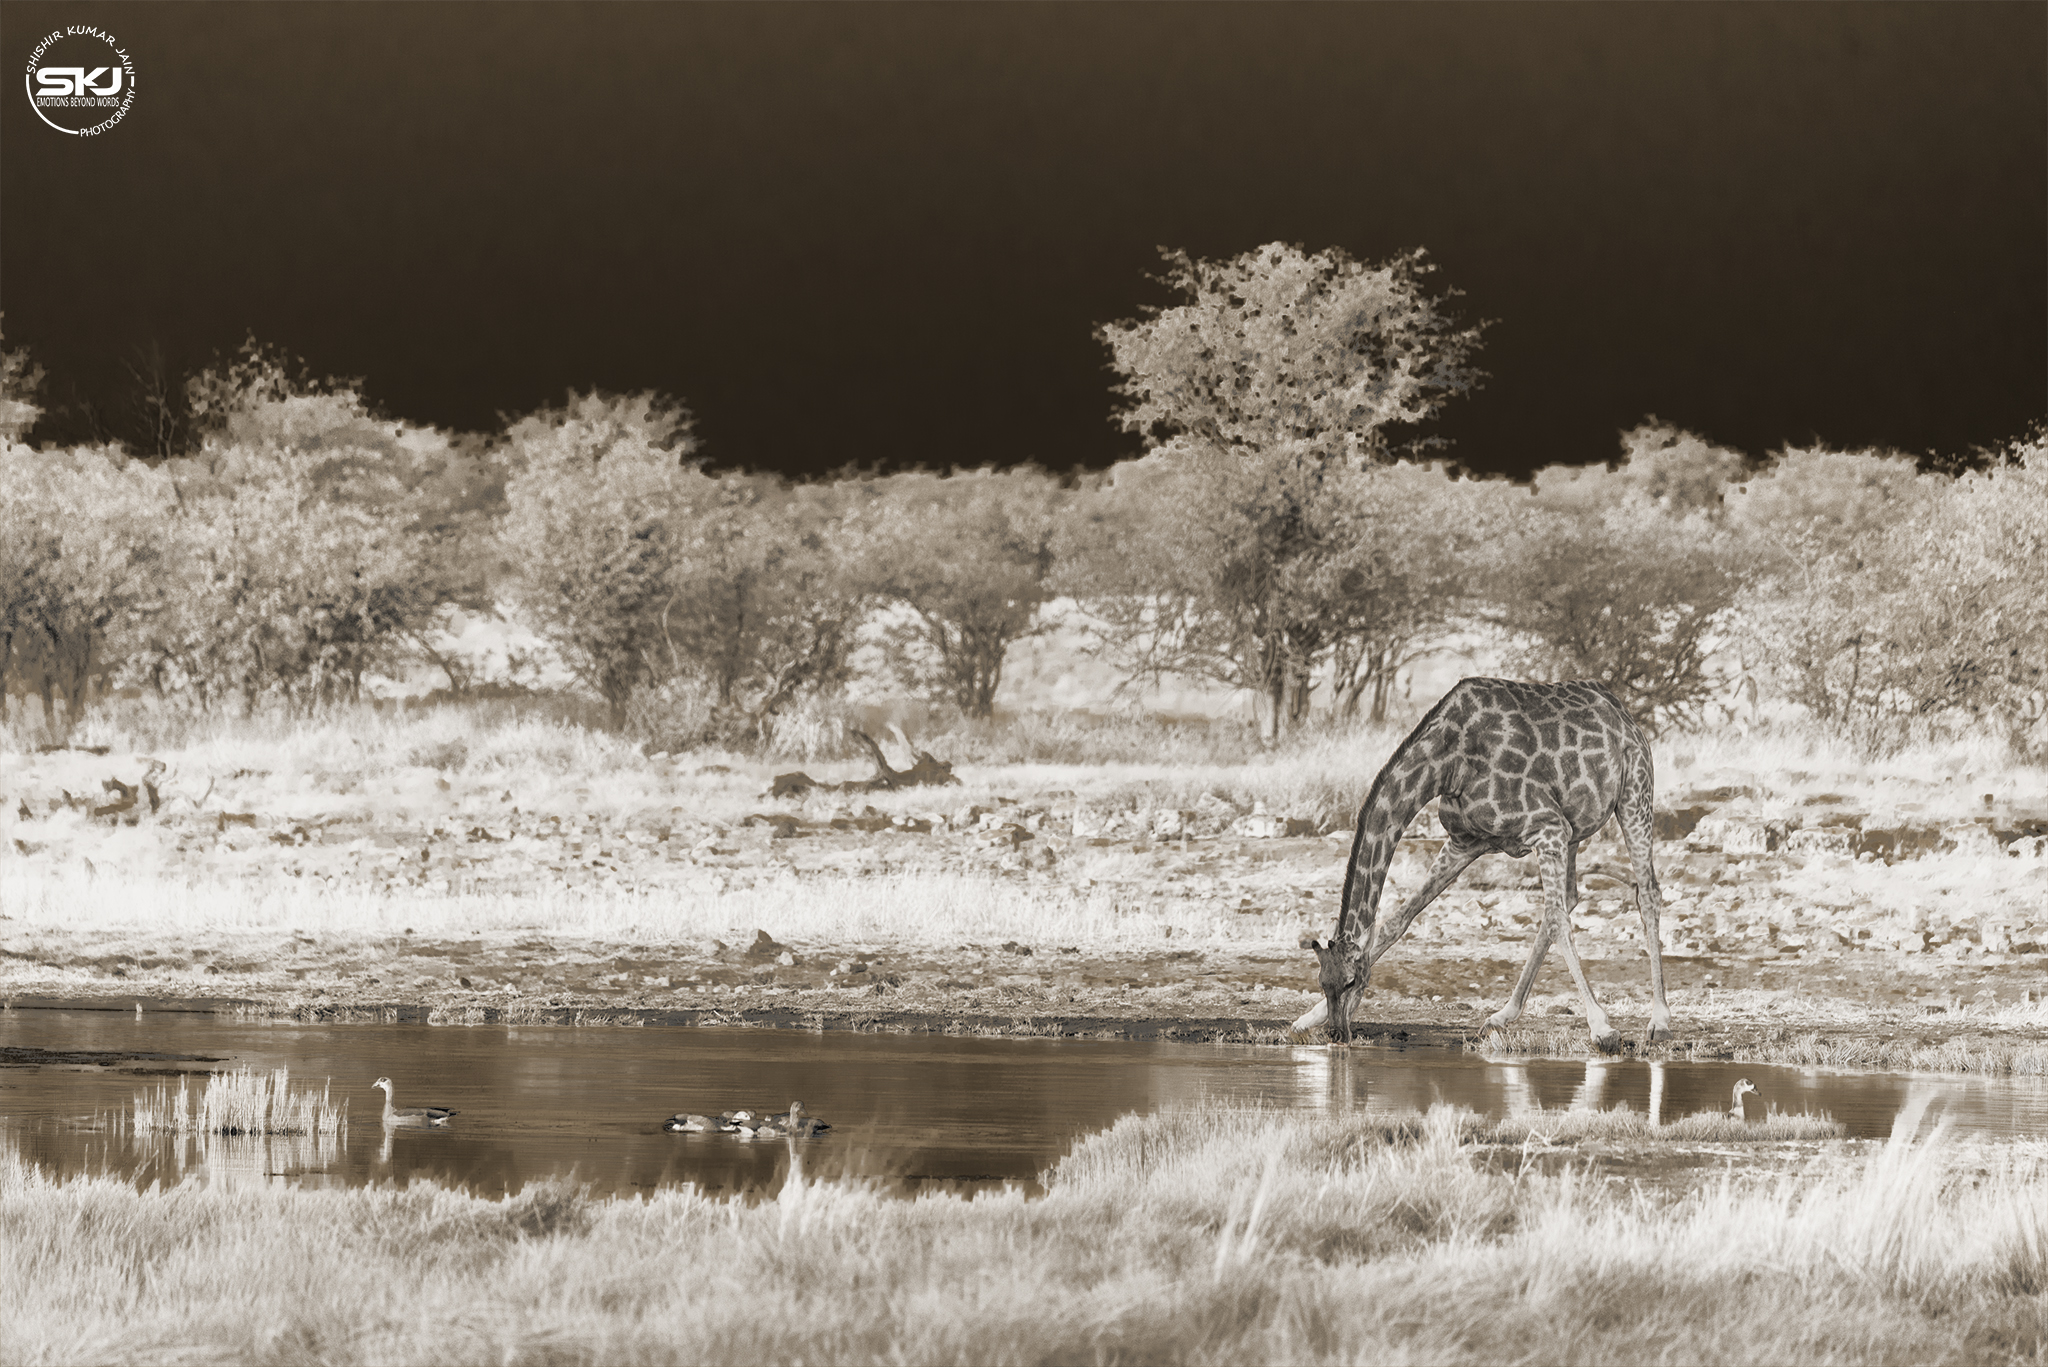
{"x":1274,"y":539}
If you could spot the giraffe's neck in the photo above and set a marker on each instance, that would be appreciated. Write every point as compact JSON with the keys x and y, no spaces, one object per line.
{"x":1395,"y":799}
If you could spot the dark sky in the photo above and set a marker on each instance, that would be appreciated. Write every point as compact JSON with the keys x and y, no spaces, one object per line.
{"x":884,"y":233}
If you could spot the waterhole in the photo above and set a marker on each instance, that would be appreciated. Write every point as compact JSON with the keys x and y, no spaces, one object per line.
{"x":910,"y":1112}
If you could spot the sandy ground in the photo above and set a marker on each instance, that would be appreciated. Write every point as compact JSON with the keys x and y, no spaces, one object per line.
{"x":1897,"y":909}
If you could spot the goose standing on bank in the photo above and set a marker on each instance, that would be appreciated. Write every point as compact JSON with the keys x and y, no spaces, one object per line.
{"x":411,"y":1117}
{"x":1743,"y":1087}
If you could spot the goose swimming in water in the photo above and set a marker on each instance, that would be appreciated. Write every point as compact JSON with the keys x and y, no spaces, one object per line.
{"x":795,"y":1122}
{"x":679,"y":1123}
{"x":1743,"y":1087}
{"x":412,"y":1117}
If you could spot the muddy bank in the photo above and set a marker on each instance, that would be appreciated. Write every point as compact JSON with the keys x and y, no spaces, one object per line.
{"x":1851,"y":1014}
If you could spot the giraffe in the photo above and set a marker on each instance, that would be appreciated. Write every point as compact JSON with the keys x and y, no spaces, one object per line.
{"x":1519,"y":767}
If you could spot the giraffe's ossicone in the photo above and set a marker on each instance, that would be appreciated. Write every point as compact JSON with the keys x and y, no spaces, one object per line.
{"x":1515,"y":768}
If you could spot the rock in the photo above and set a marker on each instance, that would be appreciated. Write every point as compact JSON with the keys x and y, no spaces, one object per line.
{"x":1678,"y":824}
{"x":1089,"y":823}
{"x":1167,"y":824}
{"x":1258,"y":826}
{"x":786,"y":959}
{"x":765,"y":947}
{"x":1737,"y":837}
{"x":1972,"y":840}
{"x":792,"y":785}
{"x":1826,"y":840}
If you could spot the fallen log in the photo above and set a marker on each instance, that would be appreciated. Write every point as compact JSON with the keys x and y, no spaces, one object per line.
{"x":926,"y":771}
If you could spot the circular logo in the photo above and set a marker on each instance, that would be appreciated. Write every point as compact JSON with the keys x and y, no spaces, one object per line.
{"x":80,"y":81}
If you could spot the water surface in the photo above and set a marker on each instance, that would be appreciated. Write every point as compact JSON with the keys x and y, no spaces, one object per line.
{"x":911,"y":1111}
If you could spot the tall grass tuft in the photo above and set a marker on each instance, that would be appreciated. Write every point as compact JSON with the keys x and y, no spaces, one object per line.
{"x":240,"y":1102}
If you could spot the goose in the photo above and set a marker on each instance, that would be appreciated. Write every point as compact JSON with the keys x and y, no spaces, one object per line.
{"x":680,"y":1123}
{"x":795,"y":1122}
{"x":1743,"y":1087}
{"x":413,"y":1117}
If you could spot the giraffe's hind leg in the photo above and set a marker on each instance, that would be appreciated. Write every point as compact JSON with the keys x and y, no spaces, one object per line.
{"x":1636,"y":830}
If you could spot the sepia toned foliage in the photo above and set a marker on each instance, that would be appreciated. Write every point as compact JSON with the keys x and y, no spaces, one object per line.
{"x":1282,"y":346}
{"x":1249,"y":547}
{"x":1624,"y":575}
{"x":1265,"y":571}
{"x":273,"y":540}
{"x":764,"y":596}
{"x":970,"y":556}
{"x":1895,"y":599}
{"x":21,"y":380}
{"x":81,"y":549}
{"x":587,"y":540}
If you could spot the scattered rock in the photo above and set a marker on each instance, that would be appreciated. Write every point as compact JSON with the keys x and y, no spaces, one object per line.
{"x":765,"y":947}
{"x":1677,"y":825}
{"x":1258,"y":826}
{"x":1089,"y":823}
{"x":791,"y":785}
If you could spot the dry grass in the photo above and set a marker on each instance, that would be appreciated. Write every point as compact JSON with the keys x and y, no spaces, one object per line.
{"x":241,"y":1101}
{"x":1205,"y":1235}
{"x":904,"y":910}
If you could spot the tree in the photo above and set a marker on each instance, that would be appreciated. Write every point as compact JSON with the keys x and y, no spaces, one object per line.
{"x":1821,"y":528}
{"x":1407,"y":539}
{"x":968,"y":556}
{"x":1896,"y":600}
{"x":21,"y":379}
{"x":315,"y":540}
{"x":1625,"y":575}
{"x":764,"y":596}
{"x":1265,"y":572}
{"x":1279,"y":346}
{"x":80,"y":539}
{"x":1229,"y":552}
{"x":588,"y":533}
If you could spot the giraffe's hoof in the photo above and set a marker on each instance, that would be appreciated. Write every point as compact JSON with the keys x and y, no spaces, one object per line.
{"x":1609,"y":1043}
{"x":1660,"y":1033}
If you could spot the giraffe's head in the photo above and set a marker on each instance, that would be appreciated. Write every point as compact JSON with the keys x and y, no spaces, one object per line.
{"x":1343,"y":971}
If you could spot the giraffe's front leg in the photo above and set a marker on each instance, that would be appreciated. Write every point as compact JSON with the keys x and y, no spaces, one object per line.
{"x":1512,"y":1012}
{"x":1451,"y":860}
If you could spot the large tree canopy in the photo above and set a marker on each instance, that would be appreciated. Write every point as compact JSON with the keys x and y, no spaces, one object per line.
{"x":1283,"y":345}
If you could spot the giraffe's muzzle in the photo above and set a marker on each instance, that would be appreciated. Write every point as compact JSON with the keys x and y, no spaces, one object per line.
{"x":1342,"y":973}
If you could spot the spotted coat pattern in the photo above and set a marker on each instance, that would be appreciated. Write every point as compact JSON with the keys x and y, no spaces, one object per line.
{"x":1516,"y":768}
